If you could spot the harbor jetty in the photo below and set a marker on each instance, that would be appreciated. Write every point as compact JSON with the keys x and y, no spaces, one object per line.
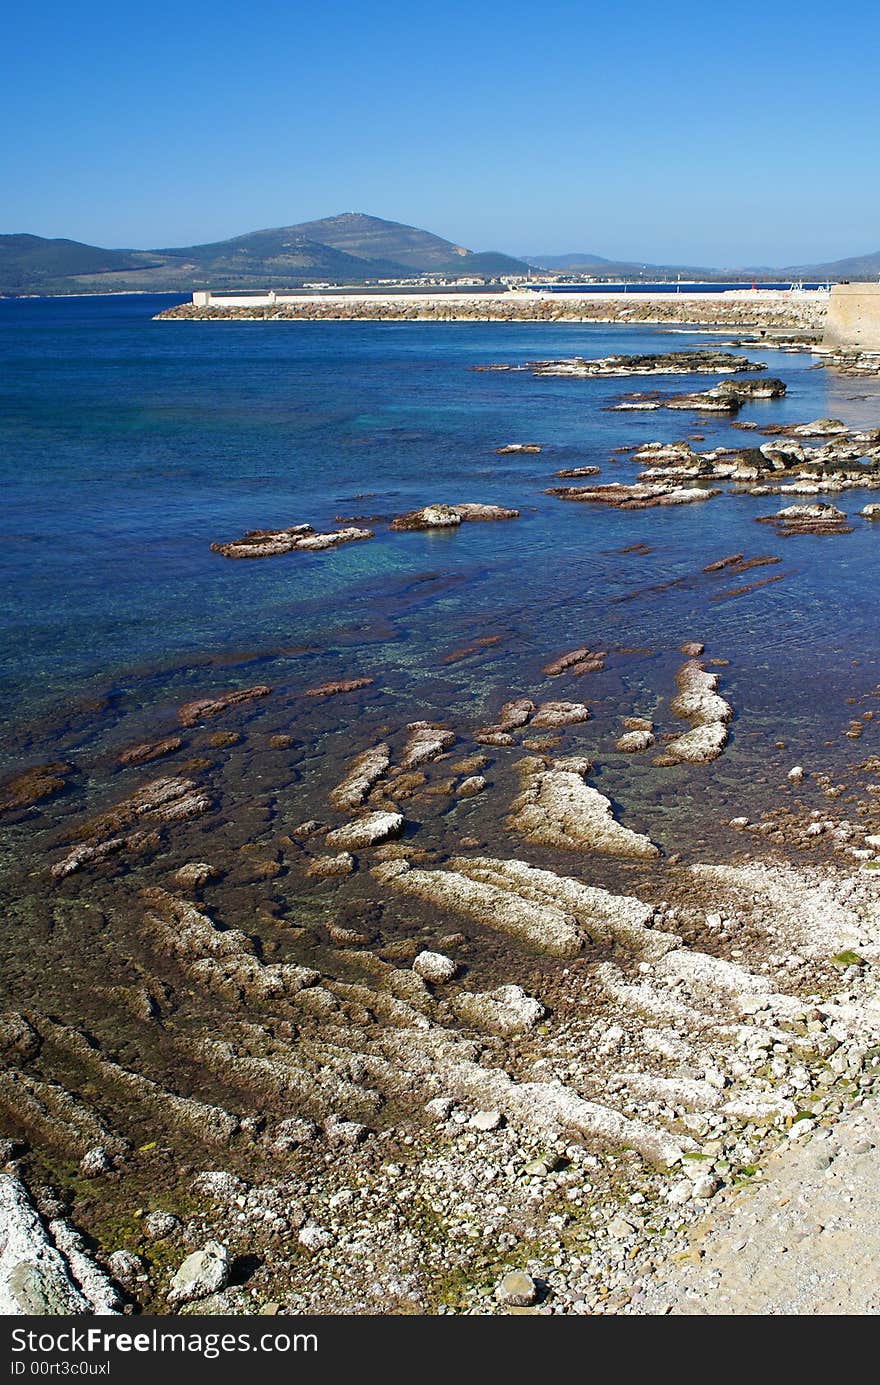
{"x":797,"y":310}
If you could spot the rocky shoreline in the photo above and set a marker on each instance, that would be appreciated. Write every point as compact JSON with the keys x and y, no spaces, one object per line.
{"x":316,"y":1003}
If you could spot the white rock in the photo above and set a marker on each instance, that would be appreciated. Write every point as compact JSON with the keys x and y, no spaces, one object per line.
{"x":204,"y":1272}
{"x":434,"y":966}
{"x":486,"y":1120}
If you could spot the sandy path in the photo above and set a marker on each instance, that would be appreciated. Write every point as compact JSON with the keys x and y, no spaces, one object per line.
{"x":805,"y":1240}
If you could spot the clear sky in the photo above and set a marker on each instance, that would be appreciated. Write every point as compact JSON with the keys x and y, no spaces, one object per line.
{"x":744,"y":133}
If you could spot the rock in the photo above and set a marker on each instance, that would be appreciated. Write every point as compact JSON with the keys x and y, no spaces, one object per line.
{"x":151,"y":750}
{"x":33,"y":785}
{"x":697,"y":702}
{"x":471,"y":786}
{"x":195,"y":874}
{"x":796,"y":775}
{"x":512,"y":447}
{"x":486,"y":1120}
{"x":451,"y":516}
{"x":439,"y":1107}
{"x":126,"y":1268}
{"x":619,"y":1229}
{"x":35,"y":1278}
{"x":553,"y":714}
{"x":331,"y":867}
{"x":474,"y":512}
{"x":344,"y":685}
{"x":344,"y":1132}
{"x":638,"y":496}
{"x":204,"y":1272}
{"x":661,"y":363}
{"x":267,"y":543}
{"x":369,"y":830}
{"x":565,"y":662}
{"x":557,"y":808}
{"x":704,"y":1187}
{"x":314,"y":1236}
{"x":431,"y":517}
{"x":819,"y":518}
{"x":219,"y":1185}
{"x":870,"y":511}
{"x":425,"y":742}
{"x":204,"y":708}
{"x":293,"y":1132}
{"x":433,"y":966}
{"x":631,"y":742}
{"x":692,"y":649}
{"x":365,"y":771}
{"x":506,"y":1010}
{"x":516,"y":1290}
{"x":95,"y":1162}
{"x":157,"y":1225}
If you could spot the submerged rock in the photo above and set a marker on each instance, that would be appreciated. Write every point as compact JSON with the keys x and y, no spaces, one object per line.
{"x":204,"y":708}
{"x":150,"y":750}
{"x":32,"y":785}
{"x":557,"y":808}
{"x":699,"y":703}
{"x":344,"y":685}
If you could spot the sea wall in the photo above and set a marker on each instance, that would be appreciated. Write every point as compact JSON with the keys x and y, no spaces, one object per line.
{"x":853,"y":319}
{"x":761,"y":309}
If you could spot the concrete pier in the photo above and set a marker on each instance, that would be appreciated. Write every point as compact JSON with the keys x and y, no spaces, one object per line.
{"x":853,"y":321}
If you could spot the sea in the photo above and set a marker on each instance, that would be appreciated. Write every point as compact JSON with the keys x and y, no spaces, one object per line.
{"x":129,"y":445}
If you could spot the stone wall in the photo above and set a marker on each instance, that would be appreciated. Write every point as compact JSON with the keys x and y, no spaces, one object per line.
{"x":853,"y":319}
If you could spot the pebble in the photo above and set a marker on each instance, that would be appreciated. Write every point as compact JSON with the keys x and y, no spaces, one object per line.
{"x":516,"y":1290}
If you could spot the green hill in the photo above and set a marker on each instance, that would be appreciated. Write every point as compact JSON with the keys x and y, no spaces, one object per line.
{"x":28,"y":264}
{"x":350,"y":248}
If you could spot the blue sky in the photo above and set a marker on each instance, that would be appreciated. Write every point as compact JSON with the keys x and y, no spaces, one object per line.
{"x":700,"y":133}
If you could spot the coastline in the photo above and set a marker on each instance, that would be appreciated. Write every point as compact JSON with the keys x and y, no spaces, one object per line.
{"x":388,"y":990}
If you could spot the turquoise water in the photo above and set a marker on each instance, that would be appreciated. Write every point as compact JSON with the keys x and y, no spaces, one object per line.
{"x":127,"y":446}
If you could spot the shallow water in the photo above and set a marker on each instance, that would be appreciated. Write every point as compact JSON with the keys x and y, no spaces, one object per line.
{"x":127,"y":446}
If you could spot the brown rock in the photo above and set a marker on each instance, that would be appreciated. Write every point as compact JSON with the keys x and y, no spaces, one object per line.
{"x":205,"y":707}
{"x":150,"y":750}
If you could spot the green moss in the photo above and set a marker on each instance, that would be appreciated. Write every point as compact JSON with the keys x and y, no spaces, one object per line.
{"x":848,"y":959}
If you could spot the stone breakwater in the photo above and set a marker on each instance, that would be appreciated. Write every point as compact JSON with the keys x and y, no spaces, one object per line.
{"x":764,"y":309}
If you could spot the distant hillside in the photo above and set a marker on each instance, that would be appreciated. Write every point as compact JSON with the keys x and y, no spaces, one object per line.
{"x":349,"y":248}
{"x":857,"y":267}
{"x":28,"y":264}
{"x":576,"y":260}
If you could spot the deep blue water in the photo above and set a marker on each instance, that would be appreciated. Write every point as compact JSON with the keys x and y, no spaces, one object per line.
{"x":127,"y":446}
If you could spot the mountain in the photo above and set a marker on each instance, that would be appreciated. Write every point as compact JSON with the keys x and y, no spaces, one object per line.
{"x":29,"y":263}
{"x":371,"y":238}
{"x":576,"y":260}
{"x":857,"y":267}
{"x":349,"y":248}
